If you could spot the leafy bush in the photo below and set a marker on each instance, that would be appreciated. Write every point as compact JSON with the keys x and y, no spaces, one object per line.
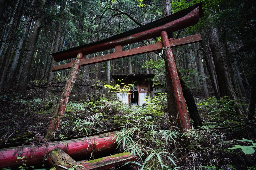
{"x":142,"y":135}
{"x":219,"y":112}
{"x":246,"y":149}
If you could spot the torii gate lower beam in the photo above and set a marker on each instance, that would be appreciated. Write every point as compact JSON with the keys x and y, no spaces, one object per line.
{"x":135,"y":51}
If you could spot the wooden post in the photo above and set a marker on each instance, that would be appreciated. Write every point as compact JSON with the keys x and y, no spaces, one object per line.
{"x":54,"y":124}
{"x":178,"y":94}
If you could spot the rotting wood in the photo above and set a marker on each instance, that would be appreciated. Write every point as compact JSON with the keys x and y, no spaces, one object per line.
{"x":61,"y":160}
{"x":58,"y":157}
{"x":108,"y":162}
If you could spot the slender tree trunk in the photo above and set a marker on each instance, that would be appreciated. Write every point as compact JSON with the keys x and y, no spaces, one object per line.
{"x":17,"y":53}
{"x":243,"y":92}
{"x":191,"y":104}
{"x":9,"y":30}
{"x":224,"y":80}
{"x":47,"y":65}
{"x":6,"y":64}
{"x":211,"y":70}
{"x":108,"y":71}
{"x":201,"y":70}
{"x":166,"y":7}
{"x":2,"y":9}
{"x":56,"y":46}
{"x":85,"y":71}
{"x":253,"y":91}
{"x":24,"y":78}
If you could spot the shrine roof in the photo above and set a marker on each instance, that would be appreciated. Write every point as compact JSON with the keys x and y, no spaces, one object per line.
{"x":132,"y":76}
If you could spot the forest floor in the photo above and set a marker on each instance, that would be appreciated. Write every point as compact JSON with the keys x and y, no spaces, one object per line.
{"x":225,"y":141}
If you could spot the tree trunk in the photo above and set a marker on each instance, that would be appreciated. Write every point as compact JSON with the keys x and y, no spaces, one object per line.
{"x":6,"y":64}
{"x":253,"y":92}
{"x":222,"y":71}
{"x":166,"y":7}
{"x":211,"y":70}
{"x":56,"y":46}
{"x":201,"y":71}
{"x":17,"y":53}
{"x":130,"y":62}
{"x":191,"y":104}
{"x":2,"y":9}
{"x":9,"y":30}
{"x":24,"y":77}
{"x":108,"y":71}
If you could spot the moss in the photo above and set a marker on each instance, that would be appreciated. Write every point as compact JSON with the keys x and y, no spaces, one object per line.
{"x":121,"y":154}
{"x":55,"y":152}
{"x":101,"y":159}
{"x":95,"y":160}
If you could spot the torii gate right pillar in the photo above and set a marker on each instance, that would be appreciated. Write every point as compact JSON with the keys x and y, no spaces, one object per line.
{"x":175,"y":83}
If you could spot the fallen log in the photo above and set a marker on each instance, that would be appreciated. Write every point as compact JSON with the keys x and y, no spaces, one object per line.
{"x":77,"y":148}
{"x":61,"y":160}
{"x":108,"y":162}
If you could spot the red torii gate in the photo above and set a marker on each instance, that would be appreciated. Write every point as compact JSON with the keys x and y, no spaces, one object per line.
{"x":174,"y":22}
{"x":177,"y":21}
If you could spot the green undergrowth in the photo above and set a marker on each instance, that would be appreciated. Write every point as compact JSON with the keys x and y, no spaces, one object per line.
{"x":224,"y":139}
{"x":220,"y":113}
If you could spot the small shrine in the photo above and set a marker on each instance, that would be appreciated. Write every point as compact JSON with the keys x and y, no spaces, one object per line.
{"x":141,"y":87}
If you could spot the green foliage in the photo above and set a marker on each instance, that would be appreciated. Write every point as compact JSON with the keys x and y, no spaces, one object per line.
{"x":117,"y":88}
{"x":159,"y":69}
{"x":141,"y":4}
{"x":246,"y":149}
{"x":219,"y":112}
{"x":210,"y":167}
{"x":75,"y":107}
{"x":141,"y":131}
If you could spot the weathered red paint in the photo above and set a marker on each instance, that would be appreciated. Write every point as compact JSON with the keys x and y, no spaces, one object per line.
{"x":76,"y":148}
{"x":178,"y":94}
{"x":140,"y":50}
{"x":183,"y":22}
{"x":55,"y":122}
{"x":108,"y":162}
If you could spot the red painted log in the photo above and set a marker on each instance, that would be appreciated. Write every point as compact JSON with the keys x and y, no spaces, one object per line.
{"x":60,"y":109}
{"x":140,"y":50}
{"x":180,"y":23}
{"x":178,"y":94}
{"x":76,"y":148}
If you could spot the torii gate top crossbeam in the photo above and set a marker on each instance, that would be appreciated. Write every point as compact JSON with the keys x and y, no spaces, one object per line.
{"x":174,"y":22}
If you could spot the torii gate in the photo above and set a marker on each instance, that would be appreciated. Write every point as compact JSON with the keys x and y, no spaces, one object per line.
{"x":174,"y":22}
{"x":83,"y":146}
